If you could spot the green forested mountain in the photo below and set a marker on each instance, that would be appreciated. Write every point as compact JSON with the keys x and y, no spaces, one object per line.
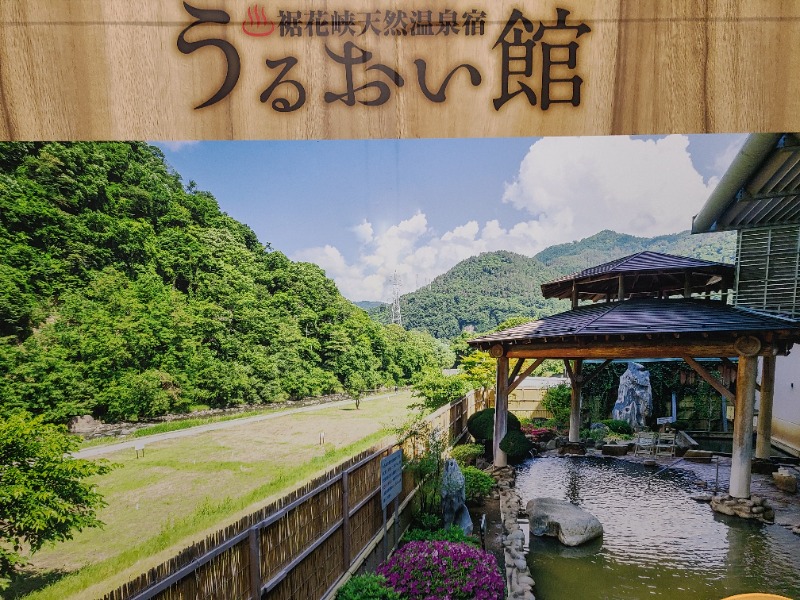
{"x":481,"y":292}
{"x":478,"y":294}
{"x":125,"y":294}
{"x":608,"y":245}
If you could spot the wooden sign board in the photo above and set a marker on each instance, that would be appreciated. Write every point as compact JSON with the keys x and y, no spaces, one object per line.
{"x":391,"y":477}
{"x":301,"y":69}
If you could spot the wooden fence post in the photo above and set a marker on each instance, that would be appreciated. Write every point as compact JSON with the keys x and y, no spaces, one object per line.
{"x":345,"y":521}
{"x":255,"y":564}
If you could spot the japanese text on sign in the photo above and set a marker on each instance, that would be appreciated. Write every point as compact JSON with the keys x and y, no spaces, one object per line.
{"x":557,"y":81}
{"x":391,"y":477}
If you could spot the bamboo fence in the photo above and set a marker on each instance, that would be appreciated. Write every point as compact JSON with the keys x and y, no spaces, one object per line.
{"x":298,"y":547}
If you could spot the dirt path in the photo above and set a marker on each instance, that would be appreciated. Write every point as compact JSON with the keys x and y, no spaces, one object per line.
{"x":192,"y":431}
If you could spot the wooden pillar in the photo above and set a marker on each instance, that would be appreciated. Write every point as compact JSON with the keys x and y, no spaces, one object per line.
{"x":621,"y":289}
{"x":575,"y":404}
{"x":687,"y":285}
{"x":574,"y":295}
{"x":255,"y":563}
{"x":742,"y":456}
{"x":501,"y":411}
{"x":764,"y":433}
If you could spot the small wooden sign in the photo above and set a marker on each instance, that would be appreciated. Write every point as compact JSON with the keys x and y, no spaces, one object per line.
{"x":665,"y":420}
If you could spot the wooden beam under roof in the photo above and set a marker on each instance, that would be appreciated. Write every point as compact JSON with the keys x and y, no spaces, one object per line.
{"x":710,"y":379}
{"x":628,"y":349}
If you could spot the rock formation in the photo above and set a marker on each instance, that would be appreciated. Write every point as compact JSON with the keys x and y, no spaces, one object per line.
{"x":635,"y":397}
{"x":454,"y":509}
{"x":559,"y":518}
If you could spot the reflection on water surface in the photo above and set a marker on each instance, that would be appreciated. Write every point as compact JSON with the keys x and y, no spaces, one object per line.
{"x":657,"y":541}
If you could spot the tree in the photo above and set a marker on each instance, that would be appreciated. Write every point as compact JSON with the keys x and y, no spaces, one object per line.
{"x":558,"y":400}
{"x":480,"y":369}
{"x":437,"y":389}
{"x":44,"y":495}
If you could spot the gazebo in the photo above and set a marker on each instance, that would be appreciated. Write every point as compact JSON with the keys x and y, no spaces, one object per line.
{"x":639,"y":317}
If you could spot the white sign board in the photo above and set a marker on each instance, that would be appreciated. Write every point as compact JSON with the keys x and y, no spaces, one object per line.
{"x":391,"y":477}
{"x":664,"y":420}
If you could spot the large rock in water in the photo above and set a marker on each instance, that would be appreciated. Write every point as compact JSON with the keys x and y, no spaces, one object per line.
{"x":559,"y":518}
{"x":635,"y":396}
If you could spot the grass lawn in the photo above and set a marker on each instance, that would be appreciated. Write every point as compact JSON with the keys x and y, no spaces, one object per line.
{"x":184,"y":488}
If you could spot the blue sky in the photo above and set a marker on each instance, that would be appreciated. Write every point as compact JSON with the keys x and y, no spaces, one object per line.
{"x":366,"y":209}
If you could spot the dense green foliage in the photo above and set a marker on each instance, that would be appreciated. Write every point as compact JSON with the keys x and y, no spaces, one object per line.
{"x":557,"y":400}
{"x":426,"y":465}
{"x":367,"y":587}
{"x":516,"y":445}
{"x":477,"y":484}
{"x":454,"y":533}
{"x":481,"y":424}
{"x":127,"y":295}
{"x":466,"y":454}
{"x":617,"y":426}
{"x":478,"y":294}
{"x":483,"y":291}
{"x":480,"y":369}
{"x":437,"y":389}
{"x":43,"y":493}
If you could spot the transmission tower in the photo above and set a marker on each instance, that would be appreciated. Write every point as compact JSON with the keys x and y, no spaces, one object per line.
{"x":396,"y":318}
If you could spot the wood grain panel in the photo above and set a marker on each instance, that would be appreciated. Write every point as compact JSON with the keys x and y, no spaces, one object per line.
{"x":111,"y":69}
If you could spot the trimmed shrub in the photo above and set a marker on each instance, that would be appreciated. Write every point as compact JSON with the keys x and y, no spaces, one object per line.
{"x":363,"y":587}
{"x":481,"y":424}
{"x":422,"y":570}
{"x":466,"y":454}
{"x":477,"y":484}
{"x":516,"y":445}
{"x":617,"y":426}
{"x":454,"y":534}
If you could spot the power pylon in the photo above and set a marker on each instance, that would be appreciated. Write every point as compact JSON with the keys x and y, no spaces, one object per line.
{"x":396,"y":317}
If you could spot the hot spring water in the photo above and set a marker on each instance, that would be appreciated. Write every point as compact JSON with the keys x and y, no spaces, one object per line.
{"x":657,"y":541}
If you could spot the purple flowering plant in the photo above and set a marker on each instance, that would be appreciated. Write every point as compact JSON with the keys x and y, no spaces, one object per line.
{"x":437,"y":570}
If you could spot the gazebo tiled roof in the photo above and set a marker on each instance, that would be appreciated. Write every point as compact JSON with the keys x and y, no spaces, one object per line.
{"x":655,"y":323}
{"x":645,"y":274}
{"x":642,"y":317}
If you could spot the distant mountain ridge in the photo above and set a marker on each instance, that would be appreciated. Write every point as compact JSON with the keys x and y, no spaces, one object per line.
{"x":482,"y":291}
{"x":608,"y":245}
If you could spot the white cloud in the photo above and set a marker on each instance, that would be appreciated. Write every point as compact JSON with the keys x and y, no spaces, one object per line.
{"x":411,"y":250}
{"x":583,"y":185}
{"x":566,"y":189}
{"x":177,"y":146}
{"x":363,"y":231}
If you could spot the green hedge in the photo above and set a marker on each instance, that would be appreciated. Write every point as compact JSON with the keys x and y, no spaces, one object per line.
{"x":481,"y":424}
{"x":466,"y":454}
{"x":516,"y":445}
{"x":477,"y":484}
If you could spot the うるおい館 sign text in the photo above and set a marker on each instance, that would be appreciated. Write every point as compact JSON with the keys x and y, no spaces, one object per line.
{"x":301,"y":69}
{"x":536,"y":60}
